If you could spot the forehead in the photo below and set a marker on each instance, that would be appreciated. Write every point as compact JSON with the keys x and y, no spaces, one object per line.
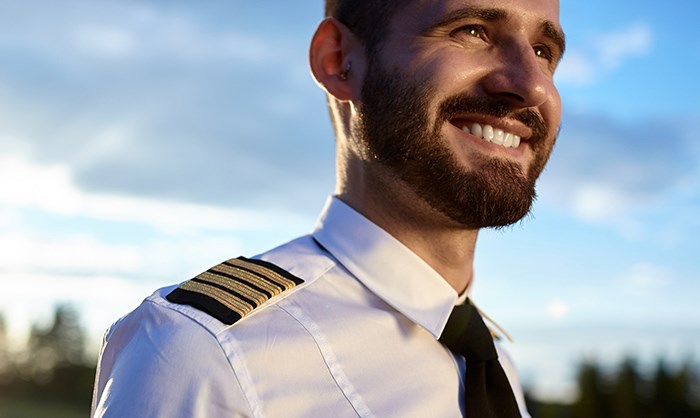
{"x":526,"y":11}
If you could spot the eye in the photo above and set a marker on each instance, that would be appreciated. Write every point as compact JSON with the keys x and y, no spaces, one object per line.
{"x":472,"y":31}
{"x":542,"y":51}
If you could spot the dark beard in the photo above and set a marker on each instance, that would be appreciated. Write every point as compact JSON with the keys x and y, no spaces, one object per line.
{"x":393,"y":129}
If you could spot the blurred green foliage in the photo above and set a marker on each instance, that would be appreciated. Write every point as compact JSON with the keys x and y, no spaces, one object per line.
{"x":53,"y":376}
{"x":52,"y":373}
{"x":627,"y":392}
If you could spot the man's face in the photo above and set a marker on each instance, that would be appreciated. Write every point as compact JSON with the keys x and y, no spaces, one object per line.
{"x":459,"y":104}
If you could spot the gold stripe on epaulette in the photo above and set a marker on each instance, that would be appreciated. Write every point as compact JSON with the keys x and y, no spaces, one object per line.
{"x":232,"y":302}
{"x":245,"y":291}
{"x":273,"y":288}
{"x":267,"y":273}
{"x":235,"y":288}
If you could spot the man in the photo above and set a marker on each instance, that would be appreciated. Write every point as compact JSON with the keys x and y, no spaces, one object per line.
{"x":445,"y":113}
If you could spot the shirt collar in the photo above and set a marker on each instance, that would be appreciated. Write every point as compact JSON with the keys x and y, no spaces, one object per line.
{"x":386,"y":266}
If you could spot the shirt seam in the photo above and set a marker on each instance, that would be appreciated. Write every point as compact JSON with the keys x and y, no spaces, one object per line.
{"x":255,"y":410}
{"x":332,"y":364}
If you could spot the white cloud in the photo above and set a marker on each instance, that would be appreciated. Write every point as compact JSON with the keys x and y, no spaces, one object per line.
{"x":67,"y":253}
{"x":105,"y":41}
{"x":645,"y":279}
{"x":576,"y":68}
{"x":558,"y":309}
{"x":28,"y":298}
{"x":139,"y":32}
{"x":46,"y":262}
{"x":40,"y":268}
{"x":103,"y":280}
{"x":46,"y":187}
{"x":609,"y":203}
{"x":615,"y":47}
{"x":110,"y":139}
{"x":616,"y":174}
{"x":51,"y":188}
{"x":595,"y":202}
{"x":586,"y":64}
{"x":9,"y":218}
{"x":166,"y":100}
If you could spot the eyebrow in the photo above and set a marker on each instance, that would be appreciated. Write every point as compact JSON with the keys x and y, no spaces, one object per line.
{"x":551,"y":31}
{"x":547,"y":27}
{"x":487,"y":14}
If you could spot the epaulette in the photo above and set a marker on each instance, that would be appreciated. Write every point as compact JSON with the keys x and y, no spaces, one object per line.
{"x":233,"y":289}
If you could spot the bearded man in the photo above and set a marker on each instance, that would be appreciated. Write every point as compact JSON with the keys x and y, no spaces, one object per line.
{"x":445,"y":114}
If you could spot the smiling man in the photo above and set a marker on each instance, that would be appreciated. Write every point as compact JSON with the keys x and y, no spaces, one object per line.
{"x":445,"y":114}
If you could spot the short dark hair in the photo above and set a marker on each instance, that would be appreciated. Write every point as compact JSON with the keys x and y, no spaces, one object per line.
{"x":367,"y":19}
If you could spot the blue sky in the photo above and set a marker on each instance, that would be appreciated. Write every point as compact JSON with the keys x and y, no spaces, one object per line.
{"x":142,"y":142}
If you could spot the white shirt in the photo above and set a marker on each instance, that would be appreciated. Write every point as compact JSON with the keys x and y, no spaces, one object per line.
{"x":356,"y":339}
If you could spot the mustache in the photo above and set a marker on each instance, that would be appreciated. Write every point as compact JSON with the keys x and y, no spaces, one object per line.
{"x":464,"y":104}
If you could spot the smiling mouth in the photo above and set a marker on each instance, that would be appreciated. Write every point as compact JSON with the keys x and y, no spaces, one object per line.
{"x":494,"y":135}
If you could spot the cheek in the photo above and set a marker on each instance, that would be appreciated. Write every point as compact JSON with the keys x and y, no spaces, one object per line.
{"x":462,"y":73}
{"x":446,"y":70}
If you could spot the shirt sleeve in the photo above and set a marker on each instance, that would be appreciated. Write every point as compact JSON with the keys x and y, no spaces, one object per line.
{"x":157,"y":362}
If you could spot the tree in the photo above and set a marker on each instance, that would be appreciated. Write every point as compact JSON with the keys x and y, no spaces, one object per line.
{"x":672,"y":394}
{"x":625,"y":392}
{"x":626,"y":396}
{"x":5,"y":364}
{"x":593,"y":398}
{"x":62,"y":344}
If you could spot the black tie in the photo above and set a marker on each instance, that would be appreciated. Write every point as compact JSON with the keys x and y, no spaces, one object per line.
{"x":487,"y":391}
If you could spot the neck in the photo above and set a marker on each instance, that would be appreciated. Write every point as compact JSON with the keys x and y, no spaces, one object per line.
{"x":444,"y":245}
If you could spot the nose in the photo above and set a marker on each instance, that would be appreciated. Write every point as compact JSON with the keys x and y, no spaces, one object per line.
{"x":519,"y":78}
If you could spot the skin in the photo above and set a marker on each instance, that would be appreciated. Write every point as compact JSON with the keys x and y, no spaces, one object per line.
{"x":504,"y":51}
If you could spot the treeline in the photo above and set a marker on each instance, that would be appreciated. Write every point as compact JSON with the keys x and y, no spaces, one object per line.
{"x":52,"y":367}
{"x":629,"y":392}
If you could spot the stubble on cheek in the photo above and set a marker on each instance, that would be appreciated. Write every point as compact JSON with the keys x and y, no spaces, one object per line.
{"x":395,"y":130}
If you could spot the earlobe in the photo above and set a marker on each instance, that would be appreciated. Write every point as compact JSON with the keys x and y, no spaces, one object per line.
{"x":331,"y":58}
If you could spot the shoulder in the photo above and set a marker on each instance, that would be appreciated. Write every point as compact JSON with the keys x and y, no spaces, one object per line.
{"x":233,"y":290}
{"x":151,"y":365}
{"x":157,"y":350}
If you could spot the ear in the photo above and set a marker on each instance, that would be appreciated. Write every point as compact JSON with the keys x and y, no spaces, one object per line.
{"x":334,"y":49}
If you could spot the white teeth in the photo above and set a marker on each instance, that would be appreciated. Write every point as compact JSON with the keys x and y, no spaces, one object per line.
{"x":488,"y":133}
{"x":508,"y":141}
{"x":476,"y":130}
{"x":494,"y":135}
{"x":498,"y":136}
